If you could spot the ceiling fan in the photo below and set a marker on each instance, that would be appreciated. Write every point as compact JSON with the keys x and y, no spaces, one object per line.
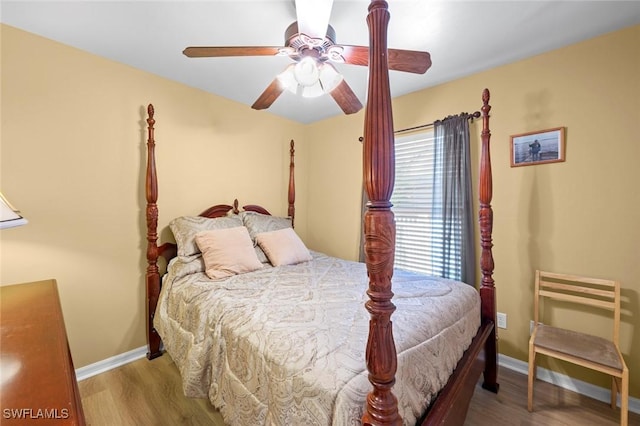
{"x":311,"y":43}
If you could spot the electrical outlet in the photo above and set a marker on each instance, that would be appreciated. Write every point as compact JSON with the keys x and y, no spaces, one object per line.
{"x":502,"y":320}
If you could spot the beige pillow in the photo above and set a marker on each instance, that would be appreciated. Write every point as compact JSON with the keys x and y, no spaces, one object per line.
{"x":283,"y":247}
{"x":257,"y":223}
{"x":185,"y":229}
{"x":227,"y":252}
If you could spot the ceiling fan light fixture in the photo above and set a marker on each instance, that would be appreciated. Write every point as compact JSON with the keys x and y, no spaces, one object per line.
{"x":307,"y":72}
{"x":312,"y":91}
{"x":287,"y":79}
{"x":308,"y":87}
{"x":330,"y":78}
{"x":309,"y":78}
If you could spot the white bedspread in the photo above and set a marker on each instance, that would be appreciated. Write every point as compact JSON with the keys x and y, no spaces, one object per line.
{"x":285,"y":345}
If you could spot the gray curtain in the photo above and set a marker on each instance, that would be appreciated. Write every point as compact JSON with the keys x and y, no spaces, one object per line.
{"x":452,"y":182}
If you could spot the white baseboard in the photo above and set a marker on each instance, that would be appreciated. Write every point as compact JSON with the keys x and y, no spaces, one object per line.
{"x":566,"y":382}
{"x":110,"y":363}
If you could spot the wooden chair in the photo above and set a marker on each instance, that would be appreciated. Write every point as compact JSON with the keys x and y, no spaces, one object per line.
{"x":580,"y":348}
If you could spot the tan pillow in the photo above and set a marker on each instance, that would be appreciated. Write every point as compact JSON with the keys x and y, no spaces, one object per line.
{"x":257,"y":223}
{"x":185,"y":228}
{"x":283,"y":247}
{"x":227,"y":252}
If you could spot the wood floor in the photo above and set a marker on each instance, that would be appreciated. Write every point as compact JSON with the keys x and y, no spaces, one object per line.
{"x":149,"y":393}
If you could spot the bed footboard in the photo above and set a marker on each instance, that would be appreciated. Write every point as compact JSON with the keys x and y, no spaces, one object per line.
{"x":451,"y":406}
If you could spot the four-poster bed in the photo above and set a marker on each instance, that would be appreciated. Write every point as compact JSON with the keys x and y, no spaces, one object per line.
{"x":447,"y":403}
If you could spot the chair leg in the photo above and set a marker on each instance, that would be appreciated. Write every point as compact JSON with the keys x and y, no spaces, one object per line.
{"x":624,"y":399}
{"x":532,"y":377}
{"x":615,"y":388}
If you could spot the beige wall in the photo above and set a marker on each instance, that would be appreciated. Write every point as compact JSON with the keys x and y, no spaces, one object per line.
{"x":73,"y":160}
{"x":73,"y":156}
{"x":578,"y":217}
{"x":335,"y":176}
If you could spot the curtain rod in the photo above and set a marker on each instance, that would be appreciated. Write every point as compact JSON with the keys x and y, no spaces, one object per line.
{"x":424,"y":126}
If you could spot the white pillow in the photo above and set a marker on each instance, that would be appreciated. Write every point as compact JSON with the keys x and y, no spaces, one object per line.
{"x":227,"y":252}
{"x":283,"y":247}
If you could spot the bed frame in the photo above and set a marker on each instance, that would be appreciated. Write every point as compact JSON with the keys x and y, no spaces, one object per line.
{"x":450,"y":406}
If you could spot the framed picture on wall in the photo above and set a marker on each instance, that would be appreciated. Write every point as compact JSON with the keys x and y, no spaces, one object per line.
{"x":543,"y":146}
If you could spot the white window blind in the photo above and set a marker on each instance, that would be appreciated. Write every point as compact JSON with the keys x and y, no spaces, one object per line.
{"x":419,"y":233}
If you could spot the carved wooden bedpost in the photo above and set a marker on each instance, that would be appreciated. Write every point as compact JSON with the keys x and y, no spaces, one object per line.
{"x":152,"y":276}
{"x":487,"y":288}
{"x":292,"y":184}
{"x":379,"y":226}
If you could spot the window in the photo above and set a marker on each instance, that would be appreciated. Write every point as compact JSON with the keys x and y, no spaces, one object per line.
{"x":418,"y":208}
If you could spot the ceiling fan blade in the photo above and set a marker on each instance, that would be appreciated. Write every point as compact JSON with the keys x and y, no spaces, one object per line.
{"x":399,"y":60}
{"x":409,"y":60}
{"x":212,"y":52}
{"x":268,"y":97}
{"x":345,"y":98}
{"x":313,"y":17}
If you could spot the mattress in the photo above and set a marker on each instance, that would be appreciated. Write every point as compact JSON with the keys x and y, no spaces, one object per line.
{"x":286,"y":345}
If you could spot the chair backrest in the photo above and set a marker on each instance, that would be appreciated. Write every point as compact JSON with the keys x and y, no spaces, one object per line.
{"x":596,"y":292}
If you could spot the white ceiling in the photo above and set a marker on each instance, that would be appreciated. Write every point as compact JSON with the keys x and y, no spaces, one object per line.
{"x":463,"y":37}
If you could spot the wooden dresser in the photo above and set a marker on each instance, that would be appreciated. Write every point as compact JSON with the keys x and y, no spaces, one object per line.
{"x":38,"y":380}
